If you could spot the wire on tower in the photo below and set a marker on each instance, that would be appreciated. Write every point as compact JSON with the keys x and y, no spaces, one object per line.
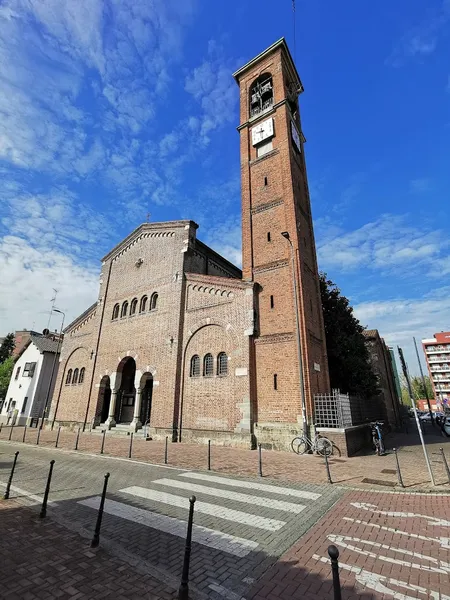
{"x":295,"y":40}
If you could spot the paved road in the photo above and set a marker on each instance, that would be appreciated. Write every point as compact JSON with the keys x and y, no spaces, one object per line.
{"x":241,"y":527}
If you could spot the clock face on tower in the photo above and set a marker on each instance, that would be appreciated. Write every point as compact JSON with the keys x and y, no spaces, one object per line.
{"x":262,"y":131}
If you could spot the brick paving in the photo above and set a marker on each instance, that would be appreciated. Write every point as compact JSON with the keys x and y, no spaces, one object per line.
{"x":40,"y":559}
{"x":389,"y":544}
{"x":281,"y":466}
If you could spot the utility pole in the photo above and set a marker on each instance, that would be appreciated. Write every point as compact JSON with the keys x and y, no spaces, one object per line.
{"x":424,"y":383}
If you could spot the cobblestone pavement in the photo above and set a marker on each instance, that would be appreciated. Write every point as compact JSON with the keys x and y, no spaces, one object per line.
{"x":241,"y":526}
{"x":391,"y":546}
{"x":280,"y":466}
{"x":41,"y":559}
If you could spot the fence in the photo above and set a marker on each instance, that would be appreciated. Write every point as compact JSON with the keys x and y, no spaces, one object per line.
{"x":338,"y":410}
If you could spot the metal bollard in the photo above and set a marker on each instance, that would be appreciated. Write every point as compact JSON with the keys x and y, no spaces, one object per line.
{"x":399,"y":475}
{"x":333,"y":553}
{"x":57,"y":437}
{"x":103,"y":442}
{"x":77,"y":439}
{"x":8,"y":485}
{"x":10,"y":432}
{"x":43,"y":512}
{"x":38,"y":436}
{"x":1,"y":427}
{"x":260,"y":471}
{"x":327,"y":465}
{"x":183,"y":590}
{"x":209,"y":455}
{"x":96,"y":539}
{"x":24,"y":434}
{"x":130,"y":449}
{"x":445,"y":463}
{"x":166,"y":451}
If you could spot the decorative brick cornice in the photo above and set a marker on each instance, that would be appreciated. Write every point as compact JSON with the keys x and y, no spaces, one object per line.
{"x":279,"y":264}
{"x":267,"y":206}
{"x":275,"y":338}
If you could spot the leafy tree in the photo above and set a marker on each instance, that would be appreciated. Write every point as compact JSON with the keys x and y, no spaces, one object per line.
{"x":348,"y":356}
{"x":418,"y":389}
{"x":7,"y":347}
{"x":6,"y":370}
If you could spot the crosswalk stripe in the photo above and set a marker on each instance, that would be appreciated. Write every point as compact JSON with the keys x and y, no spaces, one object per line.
{"x":230,"y":495}
{"x":251,"y":485}
{"x":214,"y":510}
{"x":201,"y":535}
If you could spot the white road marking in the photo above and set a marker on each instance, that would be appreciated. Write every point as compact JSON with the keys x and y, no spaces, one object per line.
{"x":214,"y":510}
{"x":35,"y":499}
{"x":237,"y":496}
{"x":251,"y":485}
{"x":389,"y":513}
{"x":379,"y":583}
{"x":443,"y":541}
{"x":201,"y":535}
{"x":341,"y":540}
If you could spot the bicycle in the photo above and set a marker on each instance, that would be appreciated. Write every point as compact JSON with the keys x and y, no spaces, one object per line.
{"x":377,"y":437}
{"x":320,"y":445}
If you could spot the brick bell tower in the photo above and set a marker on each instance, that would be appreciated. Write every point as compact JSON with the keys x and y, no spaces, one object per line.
{"x":278,"y":249}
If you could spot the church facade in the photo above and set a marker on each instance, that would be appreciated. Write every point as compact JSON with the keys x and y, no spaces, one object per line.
{"x":184,"y":343}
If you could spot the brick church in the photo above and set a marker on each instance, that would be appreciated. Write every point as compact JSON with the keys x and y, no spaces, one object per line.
{"x":184,"y":343}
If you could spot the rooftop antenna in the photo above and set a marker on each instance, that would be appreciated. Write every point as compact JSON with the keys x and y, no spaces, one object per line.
{"x":148,"y":217}
{"x":53,"y":300}
{"x":295,"y":40}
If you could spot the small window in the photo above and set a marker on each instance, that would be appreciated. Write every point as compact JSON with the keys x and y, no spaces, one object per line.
{"x":222,"y":364}
{"x":75,"y":377}
{"x":275,"y":381}
{"x":24,"y":405}
{"x":266,"y":181}
{"x":81,"y":378}
{"x":208,"y":365}
{"x":153,"y":301}
{"x":143,"y":304}
{"x":17,"y":373}
{"x":124,"y":311}
{"x":133,"y":306}
{"x":69,"y":377}
{"x":115,"y":314}
{"x":272,"y":303}
{"x":29,"y":369}
{"x":268,"y":236}
{"x":195,"y":366}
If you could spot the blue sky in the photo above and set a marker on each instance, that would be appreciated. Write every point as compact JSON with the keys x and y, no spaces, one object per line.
{"x":110,"y":109}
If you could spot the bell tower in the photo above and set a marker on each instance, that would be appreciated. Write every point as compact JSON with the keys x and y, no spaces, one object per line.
{"x":278,"y":246}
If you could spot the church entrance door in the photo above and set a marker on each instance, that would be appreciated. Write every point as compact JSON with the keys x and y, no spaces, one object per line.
{"x":127,"y":393}
{"x":146,"y":402}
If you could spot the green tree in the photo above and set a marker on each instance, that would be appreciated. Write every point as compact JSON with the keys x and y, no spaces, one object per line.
{"x":6,"y":370}
{"x":418,"y":389}
{"x":7,"y":347}
{"x":348,"y":356}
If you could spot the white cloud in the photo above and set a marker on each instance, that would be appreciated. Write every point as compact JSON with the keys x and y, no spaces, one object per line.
{"x":420,"y":185}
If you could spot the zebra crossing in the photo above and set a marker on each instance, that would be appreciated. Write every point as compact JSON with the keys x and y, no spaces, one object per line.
{"x":260,"y":507}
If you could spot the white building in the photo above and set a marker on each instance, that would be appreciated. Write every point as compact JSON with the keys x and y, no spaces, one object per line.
{"x":32,"y":381}
{"x":437,"y":352}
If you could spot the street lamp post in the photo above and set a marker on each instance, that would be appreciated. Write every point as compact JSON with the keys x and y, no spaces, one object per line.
{"x":53,"y":366}
{"x":285,"y":234}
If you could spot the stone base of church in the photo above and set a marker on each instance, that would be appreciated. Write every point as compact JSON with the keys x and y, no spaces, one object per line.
{"x":218,"y":438}
{"x":276,"y":436}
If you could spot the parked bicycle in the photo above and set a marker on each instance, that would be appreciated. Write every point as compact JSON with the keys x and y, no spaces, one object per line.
{"x":320,"y":445}
{"x":377,"y":437}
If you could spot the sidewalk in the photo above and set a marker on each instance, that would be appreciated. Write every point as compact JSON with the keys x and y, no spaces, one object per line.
{"x":281,"y":466}
{"x":41,"y":559}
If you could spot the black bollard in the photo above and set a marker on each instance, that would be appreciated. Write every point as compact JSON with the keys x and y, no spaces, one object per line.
{"x":1,"y":427}
{"x":333,"y":553}
{"x":38,"y":436}
{"x":399,"y":475}
{"x":445,"y":463}
{"x":103,"y":442}
{"x":24,"y":434}
{"x":10,"y":432}
{"x":77,"y":439}
{"x":57,"y":437}
{"x":166,"y":451}
{"x":183,"y":591}
{"x":260,"y":471}
{"x":130,"y":449}
{"x":209,"y":455}
{"x":96,"y":539}
{"x":327,"y":465}
{"x":8,"y":485}
{"x":43,"y":512}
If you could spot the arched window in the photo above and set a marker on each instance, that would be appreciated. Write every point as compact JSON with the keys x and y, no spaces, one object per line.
{"x":133,"y":306}
{"x":153,"y":301}
{"x":69,"y":377}
{"x":75,"y":377}
{"x":222,"y":364}
{"x":115,"y":314}
{"x":195,"y":366}
{"x":81,"y":378}
{"x":124,"y":311}
{"x":208,"y":365}
{"x":261,"y":94}
{"x":143,"y":304}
